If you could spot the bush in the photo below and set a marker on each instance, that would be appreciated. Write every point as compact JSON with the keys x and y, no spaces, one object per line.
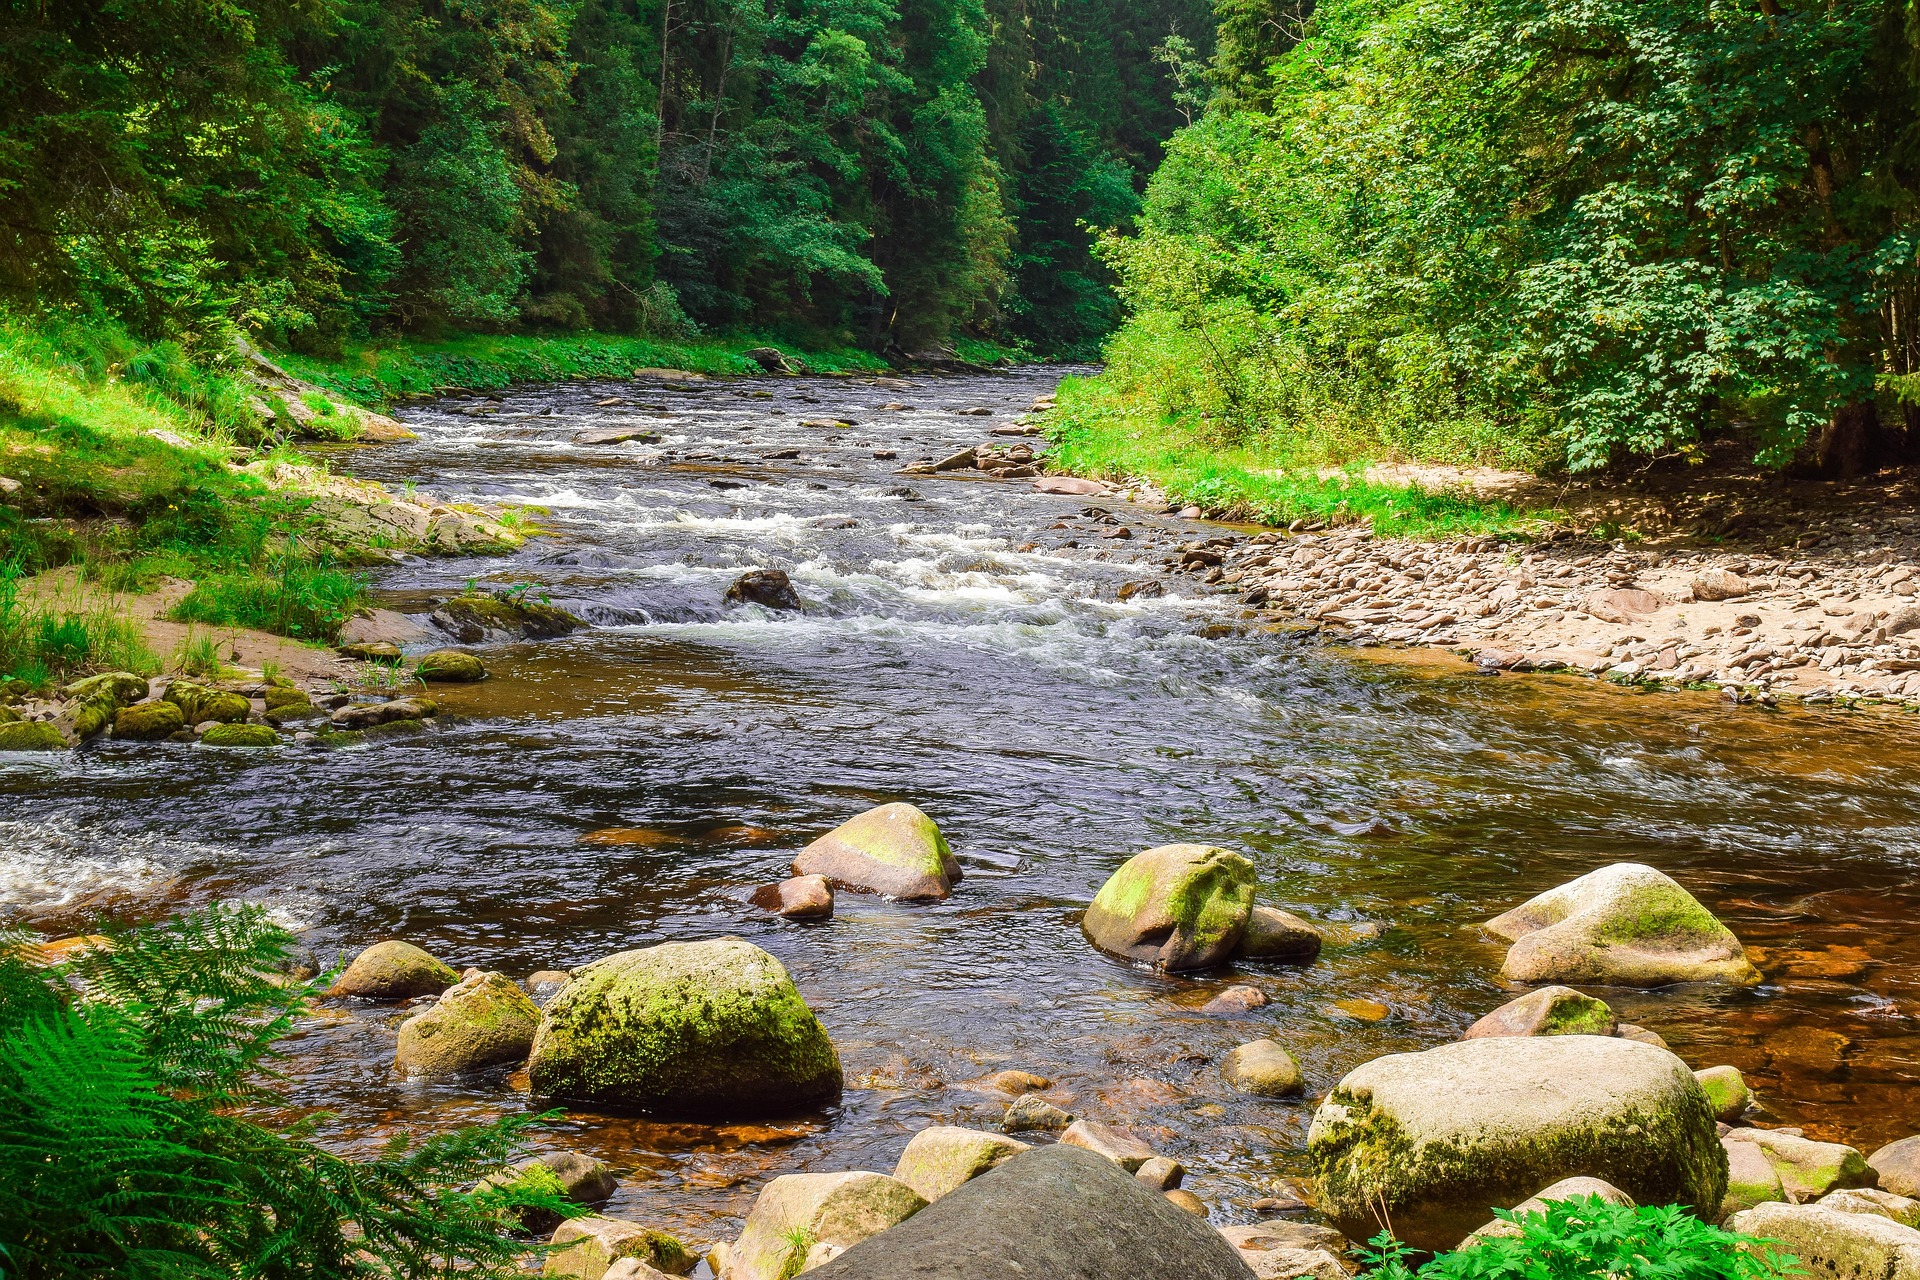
{"x":1589,"y":1239}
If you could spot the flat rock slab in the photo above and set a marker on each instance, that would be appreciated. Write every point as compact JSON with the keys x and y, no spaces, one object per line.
{"x":1056,"y":1213}
{"x":616,"y":435}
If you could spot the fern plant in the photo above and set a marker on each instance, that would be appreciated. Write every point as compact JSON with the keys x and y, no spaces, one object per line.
{"x":126,"y":1076}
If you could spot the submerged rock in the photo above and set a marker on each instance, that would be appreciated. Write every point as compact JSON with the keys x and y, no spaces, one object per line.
{"x":1623,"y":925}
{"x":894,"y":850}
{"x":450,"y":666}
{"x":1550,"y":1011}
{"x":1280,"y":936}
{"x":482,"y":1020}
{"x":239,"y":735}
{"x":770,"y":588}
{"x":394,"y":970}
{"x":594,"y":1245}
{"x":700,"y":1029}
{"x":798,"y":898}
{"x":939,"y":1159}
{"x":1116,"y":1145}
{"x":1430,"y":1140}
{"x":499,"y":616}
{"x":1180,"y":906}
{"x":799,"y":1212}
{"x":1235,"y":1002}
{"x":1264,"y":1069}
{"x":1053,"y":1212}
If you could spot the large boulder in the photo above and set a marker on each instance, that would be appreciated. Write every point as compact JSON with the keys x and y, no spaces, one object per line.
{"x":482,"y":1020}
{"x":1898,"y":1164}
{"x":394,"y":970}
{"x":149,"y":721}
{"x":1550,"y":1011}
{"x":1181,"y":906}
{"x":1624,"y":925}
{"x":587,"y":1248}
{"x":30,"y":735}
{"x":1834,"y":1244}
{"x":800,"y":1212}
{"x":699,"y":1029}
{"x":894,"y":849}
{"x":1433,"y":1141}
{"x":450,"y":666}
{"x":1053,"y":1212}
{"x":939,"y":1159}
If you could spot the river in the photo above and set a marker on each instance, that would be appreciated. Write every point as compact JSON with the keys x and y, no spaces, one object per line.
{"x":964,"y":647}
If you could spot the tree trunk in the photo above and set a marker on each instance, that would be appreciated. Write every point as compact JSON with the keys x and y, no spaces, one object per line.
{"x":1849,"y":443}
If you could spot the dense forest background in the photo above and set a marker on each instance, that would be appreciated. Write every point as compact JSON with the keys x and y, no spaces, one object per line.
{"x":886,"y":172}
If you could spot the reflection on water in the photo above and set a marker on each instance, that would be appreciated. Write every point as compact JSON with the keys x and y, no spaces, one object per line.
{"x":964,"y":648}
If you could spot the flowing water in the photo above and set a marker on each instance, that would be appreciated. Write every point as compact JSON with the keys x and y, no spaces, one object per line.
{"x":964,"y":647}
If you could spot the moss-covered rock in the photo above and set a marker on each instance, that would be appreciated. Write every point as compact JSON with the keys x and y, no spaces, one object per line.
{"x":1830,"y":1242}
{"x":477,"y":619}
{"x":149,"y":721}
{"x":1807,"y":1169}
{"x":1279,"y":936}
{"x":198,"y":703}
{"x":450,"y":666}
{"x":240,"y":735}
{"x":1727,"y":1092}
{"x":480,"y":1021}
{"x":1181,"y":906}
{"x":799,"y":1212}
{"x":940,"y":1159}
{"x":1623,"y":925}
{"x":365,"y":715}
{"x":700,"y":1029}
{"x":1550,"y":1011}
{"x":593,"y":1244}
{"x":280,"y":696}
{"x":371,"y":651}
{"x":1431,"y":1141}
{"x":116,"y":687}
{"x":394,"y":970}
{"x":1265,"y":1069}
{"x":28,"y":735}
{"x":895,"y":849}
{"x":9,"y":716}
{"x":78,"y":721}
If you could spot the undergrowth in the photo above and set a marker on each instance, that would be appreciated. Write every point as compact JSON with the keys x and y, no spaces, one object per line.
{"x":64,"y":631}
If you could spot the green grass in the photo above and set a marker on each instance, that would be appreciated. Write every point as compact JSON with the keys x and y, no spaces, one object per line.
{"x":1099,"y":432}
{"x":380,"y":373}
{"x":307,"y":602}
{"x":47,"y":639}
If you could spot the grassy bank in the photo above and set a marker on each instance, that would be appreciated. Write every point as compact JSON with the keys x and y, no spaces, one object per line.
{"x":1100,"y":430}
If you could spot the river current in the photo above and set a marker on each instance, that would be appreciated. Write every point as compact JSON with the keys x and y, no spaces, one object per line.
{"x":965,"y":647}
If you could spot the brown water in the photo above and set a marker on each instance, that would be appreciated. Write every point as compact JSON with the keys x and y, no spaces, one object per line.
{"x":630,"y":784}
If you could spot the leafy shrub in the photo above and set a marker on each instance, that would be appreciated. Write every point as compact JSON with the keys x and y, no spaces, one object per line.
{"x":125,"y":1077}
{"x":1589,"y":1239}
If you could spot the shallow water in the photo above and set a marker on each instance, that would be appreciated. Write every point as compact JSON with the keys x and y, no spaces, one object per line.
{"x":632,"y":783}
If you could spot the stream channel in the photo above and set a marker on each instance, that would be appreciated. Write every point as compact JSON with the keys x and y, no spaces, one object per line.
{"x":964,"y":647}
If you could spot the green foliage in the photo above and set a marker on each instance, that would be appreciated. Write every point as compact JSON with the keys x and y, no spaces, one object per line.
{"x":64,"y":632}
{"x":126,"y":1078}
{"x":308,"y":602}
{"x":1589,"y":1239}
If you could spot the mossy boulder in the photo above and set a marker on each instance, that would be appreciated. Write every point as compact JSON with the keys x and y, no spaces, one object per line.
{"x":481,"y":1021}
{"x":279,"y":697}
{"x":1831,"y":1242}
{"x":450,"y":666}
{"x":394,"y":970}
{"x":799,"y":1212}
{"x":1432,"y":1141}
{"x":199,"y":704}
{"x":940,"y":1159}
{"x":1279,"y":936}
{"x":594,"y":1244}
{"x":239,"y":735}
{"x":700,"y":1029}
{"x":895,"y":850}
{"x":1807,"y":1169}
{"x":149,"y":721}
{"x":1727,"y":1092}
{"x":1181,"y":906}
{"x":1550,"y":1011}
{"x":480,"y":618}
{"x":1624,"y":925}
{"x":88,"y":718}
{"x":118,"y":688}
{"x":30,"y":735}
{"x":367,"y":715}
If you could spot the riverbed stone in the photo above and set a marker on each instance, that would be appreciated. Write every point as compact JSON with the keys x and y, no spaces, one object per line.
{"x":1116,"y":1145}
{"x":1011,"y":1081}
{"x":1834,"y":1244}
{"x":1235,"y":1002}
{"x":1162,"y":1173}
{"x":369,"y":715}
{"x":769,"y":588}
{"x":797,"y":898}
{"x":480,"y":1021}
{"x":1265,"y":1069}
{"x":1550,"y":1011}
{"x":1751,"y":1178}
{"x":198,"y":703}
{"x":1622,"y":925}
{"x":30,"y":735}
{"x":1034,"y":1114}
{"x":1053,"y":1212}
{"x":1898,"y":1166}
{"x":394,"y":970}
{"x":1901,"y":1209}
{"x":239,"y":735}
{"x":148,"y":721}
{"x":895,"y":850}
{"x":1279,"y":1251}
{"x":1433,"y":1139}
{"x":939,"y":1159}
{"x":1807,"y":1169}
{"x":1560,"y":1192}
{"x":450,"y":666}
{"x":699,"y":1029}
{"x":798,"y":1211}
{"x":1180,"y":906}
{"x":119,"y":688}
{"x":486,"y":617}
{"x":569,"y":1174}
{"x":1726,"y":1091}
{"x":1279,"y":936}
{"x":594,"y":1244}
